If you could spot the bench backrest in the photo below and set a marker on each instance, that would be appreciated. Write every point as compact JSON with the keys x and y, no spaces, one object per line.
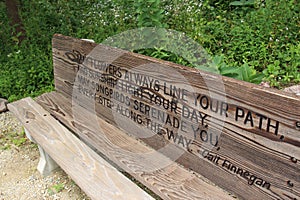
{"x":242,"y":137}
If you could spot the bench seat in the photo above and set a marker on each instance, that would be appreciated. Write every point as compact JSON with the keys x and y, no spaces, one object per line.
{"x":100,"y":178}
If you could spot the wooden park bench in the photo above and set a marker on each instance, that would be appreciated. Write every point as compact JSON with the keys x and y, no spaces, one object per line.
{"x":118,"y":118}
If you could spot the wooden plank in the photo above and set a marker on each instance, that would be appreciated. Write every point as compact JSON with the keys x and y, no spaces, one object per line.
{"x":93,"y":174}
{"x":250,"y":132}
{"x":160,"y":174}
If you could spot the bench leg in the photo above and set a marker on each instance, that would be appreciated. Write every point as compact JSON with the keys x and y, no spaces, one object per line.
{"x":46,"y":164}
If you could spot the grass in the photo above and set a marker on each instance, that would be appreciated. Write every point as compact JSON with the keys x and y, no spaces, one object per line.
{"x":57,"y":188}
{"x":9,"y":138}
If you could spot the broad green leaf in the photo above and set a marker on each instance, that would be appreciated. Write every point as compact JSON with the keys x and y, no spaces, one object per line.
{"x":257,"y":78}
{"x":242,"y":3}
{"x":246,"y":72}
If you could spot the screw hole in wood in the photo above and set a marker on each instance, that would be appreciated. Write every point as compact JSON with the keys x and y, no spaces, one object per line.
{"x":282,"y":137}
{"x":290,"y":183}
{"x":298,"y":125}
{"x":294,"y":160}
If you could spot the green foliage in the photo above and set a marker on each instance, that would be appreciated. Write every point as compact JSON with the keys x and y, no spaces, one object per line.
{"x":242,"y":3}
{"x":250,"y":40}
{"x":149,"y":13}
{"x":26,"y":69}
{"x":253,"y":35}
{"x":10,"y":137}
{"x":161,"y":53}
{"x":244,"y":72}
{"x":284,"y":70}
{"x":28,"y":72}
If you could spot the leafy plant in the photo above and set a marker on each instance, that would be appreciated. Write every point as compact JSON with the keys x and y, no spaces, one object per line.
{"x":244,"y":72}
{"x":286,"y":69}
{"x":250,"y":39}
{"x":242,"y":3}
{"x":149,"y":13}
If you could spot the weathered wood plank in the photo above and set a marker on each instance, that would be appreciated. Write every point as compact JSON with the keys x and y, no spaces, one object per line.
{"x":92,"y":173}
{"x":254,"y":130}
{"x":160,"y":174}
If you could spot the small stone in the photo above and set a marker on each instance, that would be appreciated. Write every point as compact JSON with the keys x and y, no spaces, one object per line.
{"x":4,"y":173}
{"x":293,"y":89}
{"x":265,"y":84}
{"x":32,"y":178}
{"x":3,"y":105}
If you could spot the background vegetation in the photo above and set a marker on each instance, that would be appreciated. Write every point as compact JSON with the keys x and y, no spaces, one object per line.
{"x":252,"y":40}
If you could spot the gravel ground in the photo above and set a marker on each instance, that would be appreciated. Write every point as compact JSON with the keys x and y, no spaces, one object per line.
{"x":19,"y":178}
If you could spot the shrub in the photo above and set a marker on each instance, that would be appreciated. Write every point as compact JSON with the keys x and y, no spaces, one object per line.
{"x":247,"y":39}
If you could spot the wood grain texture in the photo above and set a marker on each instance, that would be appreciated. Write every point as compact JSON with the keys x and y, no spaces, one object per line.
{"x":257,"y":132}
{"x":93,"y":174}
{"x":160,"y":174}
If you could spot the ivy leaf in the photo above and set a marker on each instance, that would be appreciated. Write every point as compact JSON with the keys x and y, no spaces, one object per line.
{"x":242,"y":3}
